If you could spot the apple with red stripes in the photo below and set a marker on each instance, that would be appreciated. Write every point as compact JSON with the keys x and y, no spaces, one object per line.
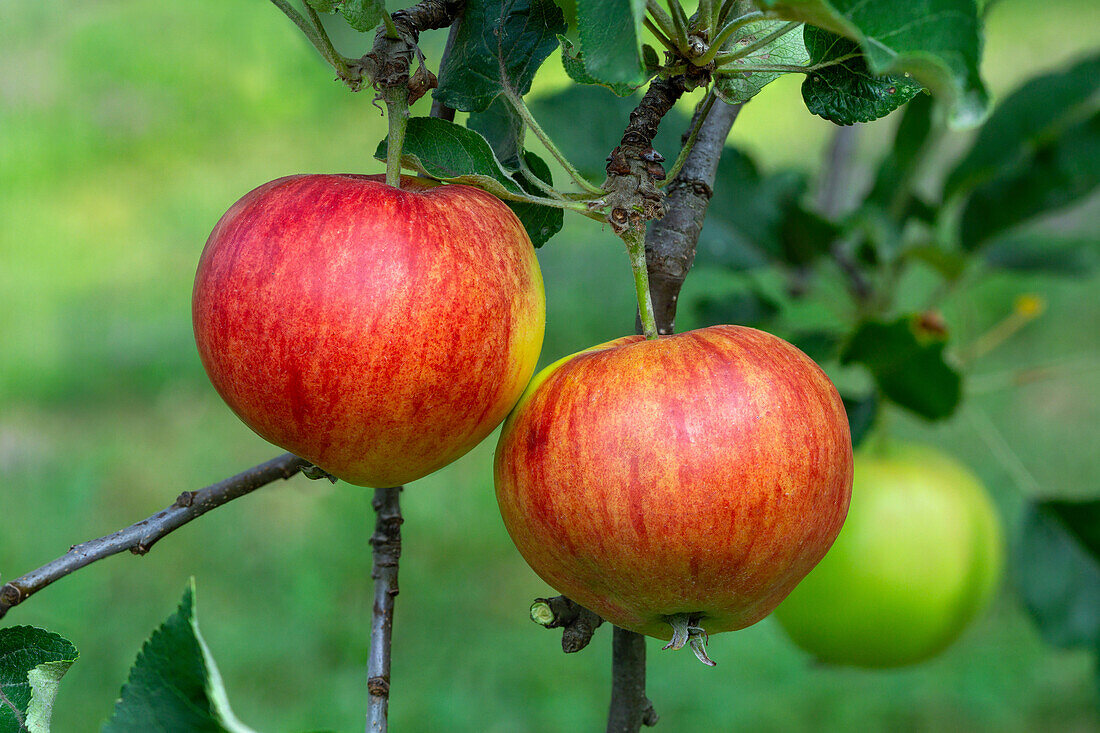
{"x":378,"y":332}
{"x":680,"y":486}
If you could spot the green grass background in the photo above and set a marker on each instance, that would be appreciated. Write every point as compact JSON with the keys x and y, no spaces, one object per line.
{"x":128,"y":126}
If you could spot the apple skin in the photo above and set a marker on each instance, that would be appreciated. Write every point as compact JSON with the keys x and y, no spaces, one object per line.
{"x":377,"y":332}
{"x":703,"y":473}
{"x":921,"y":554}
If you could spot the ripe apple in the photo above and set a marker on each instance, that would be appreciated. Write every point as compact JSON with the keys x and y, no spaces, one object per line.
{"x":918,"y":558}
{"x":378,"y":332}
{"x":695,"y":476}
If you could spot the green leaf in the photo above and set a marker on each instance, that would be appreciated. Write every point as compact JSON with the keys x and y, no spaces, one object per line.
{"x":325,"y":6}
{"x":804,"y":236}
{"x":861,"y":415}
{"x":749,"y":307}
{"x":1081,"y":519}
{"x":611,"y":38}
{"x":1057,"y":173}
{"x":847,"y":92}
{"x":572,"y":60}
{"x":363,"y":15}
{"x":948,"y":263}
{"x":907,"y":364}
{"x":1055,"y":253}
{"x":174,"y":685}
{"x":1027,"y":120}
{"x":499,"y":43}
{"x":745,"y":213}
{"x":909,"y":140}
{"x":880,"y":234}
{"x":1057,"y":562}
{"x":737,"y":82}
{"x":587,"y":145}
{"x":541,"y":222}
{"x":755,"y":220}
{"x":32,"y":663}
{"x":448,"y":152}
{"x":503,"y":129}
{"x":819,"y":345}
{"x":937,"y":41}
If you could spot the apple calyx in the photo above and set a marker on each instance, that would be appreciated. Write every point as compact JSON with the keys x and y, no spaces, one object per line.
{"x":313,"y":473}
{"x":686,"y":630}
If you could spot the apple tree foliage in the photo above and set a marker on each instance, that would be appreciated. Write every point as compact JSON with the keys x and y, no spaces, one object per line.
{"x":1035,"y":155}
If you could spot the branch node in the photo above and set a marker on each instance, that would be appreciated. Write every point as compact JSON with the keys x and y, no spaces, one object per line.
{"x":10,"y":595}
{"x":634,"y":167}
{"x":389,"y":62}
{"x":577,"y":623}
{"x":697,"y":187}
{"x":649,"y":714}
{"x":378,"y":686}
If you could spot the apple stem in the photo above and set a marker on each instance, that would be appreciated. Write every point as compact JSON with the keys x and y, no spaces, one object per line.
{"x":686,"y":630}
{"x":635,"y":247}
{"x":397,"y":116}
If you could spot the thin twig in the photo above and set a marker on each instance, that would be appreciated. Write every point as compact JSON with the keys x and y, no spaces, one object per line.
{"x":139,"y":538}
{"x":630,"y":708}
{"x":391,"y":29}
{"x":679,"y":20}
{"x":328,"y":49}
{"x":577,"y":623}
{"x":538,"y":183}
{"x":315,"y":32}
{"x":661,"y":19}
{"x":689,"y":143}
{"x":661,"y":36}
{"x":532,"y":124}
{"x":386,"y":546}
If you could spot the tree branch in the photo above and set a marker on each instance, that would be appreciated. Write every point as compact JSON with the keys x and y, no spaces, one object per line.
{"x":577,"y":623}
{"x":139,"y":538}
{"x":390,"y":59}
{"x":634,"y":167}
{"x":670,"y":245}
{"x":386,"y":546}
{"x":630,"y":708}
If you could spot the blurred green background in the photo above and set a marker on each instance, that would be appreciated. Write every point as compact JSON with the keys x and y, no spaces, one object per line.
{"x":128,"y":126}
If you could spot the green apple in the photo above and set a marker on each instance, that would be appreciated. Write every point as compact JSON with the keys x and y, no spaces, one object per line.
{"x":918,"y":557}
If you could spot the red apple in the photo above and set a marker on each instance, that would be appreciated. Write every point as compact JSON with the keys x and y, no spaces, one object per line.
{"x":377,"y":332}
{"x":698,"y":476}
